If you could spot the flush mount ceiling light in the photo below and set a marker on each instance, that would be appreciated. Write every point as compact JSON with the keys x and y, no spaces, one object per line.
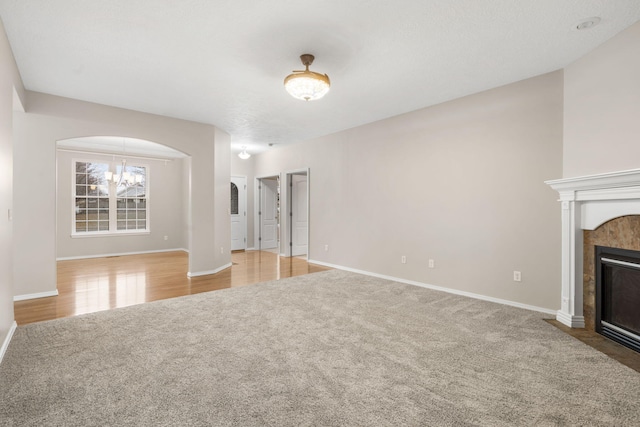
{"x":244,"y":155}
{"x":307,"y":85}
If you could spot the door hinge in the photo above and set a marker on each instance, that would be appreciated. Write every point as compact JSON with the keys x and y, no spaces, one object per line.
{"x":260,"y":239}
{"x":245,"y":186}
{"x":259,"y":212}
{"x":245,"y":213}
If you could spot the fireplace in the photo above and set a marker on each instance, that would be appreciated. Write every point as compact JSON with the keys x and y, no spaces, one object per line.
{"x":587,"y":203}
{"x":618,"y":295}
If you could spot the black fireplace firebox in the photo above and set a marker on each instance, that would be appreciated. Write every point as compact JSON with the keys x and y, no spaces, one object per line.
{"x":618,"y":295}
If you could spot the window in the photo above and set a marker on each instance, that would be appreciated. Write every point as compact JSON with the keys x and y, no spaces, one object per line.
{"x":110,"y":200}
{"x":131,"y":199}
{"x":234,"y":199}
{"x":92,"y":197}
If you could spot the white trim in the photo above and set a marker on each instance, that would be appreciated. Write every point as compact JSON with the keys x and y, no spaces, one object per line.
{"x":623,"y":193}
{"x":256,"y":208}
{"x":439,"y":288}
{"x":625,"y":178}
{"x":7,"y":340}
{"x":570,"y":320}
{"x":94,"y":234}
{"x":586,"y":202}
{"x":112,"y":165}
{"x":206,"y":273}
{"x":36,"y":295}
{"x":120,"y":254}
{"x":250,"y":249}
{"x":596,"y":213}
{"x":286,"y":224}
{"x":246,"y":211}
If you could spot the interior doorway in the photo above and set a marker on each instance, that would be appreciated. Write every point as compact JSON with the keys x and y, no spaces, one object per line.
{"x":268,"y":218}
{"x":298,"y":213}
{"x":238,"y":213}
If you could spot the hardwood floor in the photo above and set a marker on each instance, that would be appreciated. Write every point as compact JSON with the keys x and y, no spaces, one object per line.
{"x":96,"y":284}
{"x":622,"y":354}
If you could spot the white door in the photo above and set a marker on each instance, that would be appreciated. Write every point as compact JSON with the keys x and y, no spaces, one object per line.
{"x":268,"y":213}
{"x":299,"y":215}
{"x":238,"y":213}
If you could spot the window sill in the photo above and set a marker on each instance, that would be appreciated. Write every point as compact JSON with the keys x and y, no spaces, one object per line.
{"x":109,"y":234}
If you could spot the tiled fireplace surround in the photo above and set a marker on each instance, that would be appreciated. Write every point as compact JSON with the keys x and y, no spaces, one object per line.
{"x":601,"y":210}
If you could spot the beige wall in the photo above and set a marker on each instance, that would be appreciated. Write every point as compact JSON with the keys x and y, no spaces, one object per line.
{"x":49,"y":119}
{"x":10,"y":81}
{"x":166,"y":199}
{"x":461,"y":183}
{"x":602,"y":108}
{"x":222,"y":205}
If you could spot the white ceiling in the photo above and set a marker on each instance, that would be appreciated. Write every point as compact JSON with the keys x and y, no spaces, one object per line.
{"x":223,"y":62}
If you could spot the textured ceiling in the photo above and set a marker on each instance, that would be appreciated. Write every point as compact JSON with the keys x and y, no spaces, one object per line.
{"x":223,"y":62}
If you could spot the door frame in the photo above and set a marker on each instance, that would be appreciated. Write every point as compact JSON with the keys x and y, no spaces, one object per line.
{"x":246,"y":217}
{"x":257,"y":230}
{"x":288,"y":227}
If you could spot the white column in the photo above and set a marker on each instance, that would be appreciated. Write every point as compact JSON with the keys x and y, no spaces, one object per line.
{"x":570,"y":312}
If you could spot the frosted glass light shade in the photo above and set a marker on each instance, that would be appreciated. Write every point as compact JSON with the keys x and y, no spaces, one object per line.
{"x":244,"y":155}
{"x":307,"y":85}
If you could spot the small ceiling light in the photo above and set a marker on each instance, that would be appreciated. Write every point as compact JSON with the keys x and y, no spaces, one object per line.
{"x":588,"y":23}
{"x":307,"y":85}
{"x":244,"y":155}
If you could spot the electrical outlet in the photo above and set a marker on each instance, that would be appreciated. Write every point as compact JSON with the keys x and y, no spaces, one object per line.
{"x":221,"y":250}
{"x":403,"y":259}
{"x":326,"y":247}
{"x":166,"y":237}
{"x":517,"y":276}
{"x":432,"y":264}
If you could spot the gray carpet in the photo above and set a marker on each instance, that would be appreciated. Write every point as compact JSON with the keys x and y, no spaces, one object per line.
{"x":326,"y":349}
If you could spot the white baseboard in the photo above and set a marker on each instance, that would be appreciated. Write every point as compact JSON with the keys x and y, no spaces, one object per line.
{"x":7,"y":340}
{"x":569,"y":320}
{"x":440,"y":288}
{"x":36,"y":295}
{"x":206,"y":273}
{"x":69,"y":258}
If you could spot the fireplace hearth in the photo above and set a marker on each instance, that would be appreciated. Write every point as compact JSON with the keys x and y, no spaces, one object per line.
{"x":618,"y":295}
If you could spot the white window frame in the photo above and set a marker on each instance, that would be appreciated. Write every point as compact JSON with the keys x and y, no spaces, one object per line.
{"x":113,"y":201}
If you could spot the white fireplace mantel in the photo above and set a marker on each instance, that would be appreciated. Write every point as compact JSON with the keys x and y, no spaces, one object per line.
{"x":587,"y":202}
